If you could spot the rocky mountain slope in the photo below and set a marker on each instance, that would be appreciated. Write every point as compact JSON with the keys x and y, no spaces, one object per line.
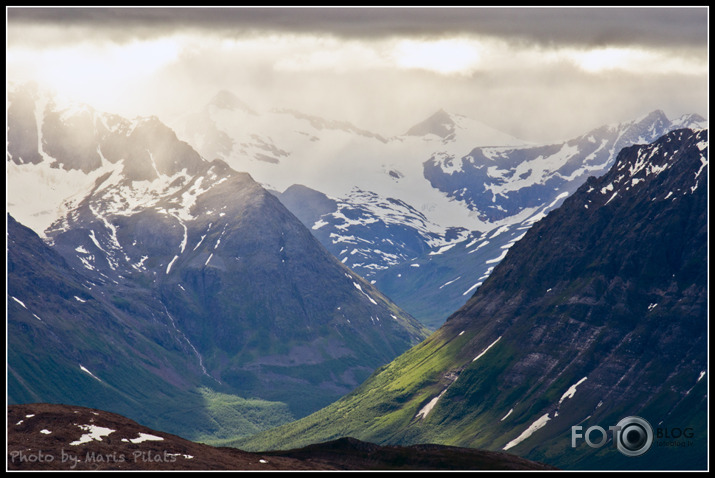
{"x":232,"y":296}
{"x":598,"y":313}
{"x":73,"y":340}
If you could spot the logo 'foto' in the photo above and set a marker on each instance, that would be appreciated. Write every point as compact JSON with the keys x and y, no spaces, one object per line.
{"x":634,"y":436}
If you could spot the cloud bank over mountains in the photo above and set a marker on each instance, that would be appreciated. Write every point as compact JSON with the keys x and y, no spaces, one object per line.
{"x":542,"y":74}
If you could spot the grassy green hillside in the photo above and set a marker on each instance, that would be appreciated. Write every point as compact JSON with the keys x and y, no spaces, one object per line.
{"x":380,"y":408}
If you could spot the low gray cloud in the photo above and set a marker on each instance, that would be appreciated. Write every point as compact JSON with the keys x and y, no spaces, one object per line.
{"x":544,"y":26}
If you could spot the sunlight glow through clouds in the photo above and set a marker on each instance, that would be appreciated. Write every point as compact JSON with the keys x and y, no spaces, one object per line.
{"x":442,"y":56}
{"x":633,"y":60}
{"x":84,"y":66}
{"x":89,"y":70}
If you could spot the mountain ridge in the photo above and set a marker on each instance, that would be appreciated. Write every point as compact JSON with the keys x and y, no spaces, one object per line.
{"x":207,"y":266}
{"x":577,"y":308}
{"x":407,"y":228}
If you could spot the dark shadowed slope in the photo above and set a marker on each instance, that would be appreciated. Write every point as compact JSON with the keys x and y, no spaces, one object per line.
{"x":597,"y":314}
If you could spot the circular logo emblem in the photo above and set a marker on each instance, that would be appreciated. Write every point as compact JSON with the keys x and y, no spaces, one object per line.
{"x":634,"y":436}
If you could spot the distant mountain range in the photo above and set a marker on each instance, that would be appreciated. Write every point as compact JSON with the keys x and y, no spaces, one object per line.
{"x":449,"y":196}
{"x":510,"y":188}
{"x":598,"y":314}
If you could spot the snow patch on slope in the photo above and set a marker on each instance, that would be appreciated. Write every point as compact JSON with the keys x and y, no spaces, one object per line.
{"x":538,"y":424}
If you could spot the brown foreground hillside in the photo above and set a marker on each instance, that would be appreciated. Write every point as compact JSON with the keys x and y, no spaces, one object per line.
{"x":64,"y":437}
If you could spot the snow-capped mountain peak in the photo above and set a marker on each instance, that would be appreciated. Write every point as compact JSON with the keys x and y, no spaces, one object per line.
{"x":640,"y":165}
{"x":693,"y":121}
{"x":452,"y":127}
{"x":440,"y":124}
{"x":58,"y":152}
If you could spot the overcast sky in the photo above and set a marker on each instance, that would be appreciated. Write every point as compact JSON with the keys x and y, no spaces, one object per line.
{"x":541,"y":74}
